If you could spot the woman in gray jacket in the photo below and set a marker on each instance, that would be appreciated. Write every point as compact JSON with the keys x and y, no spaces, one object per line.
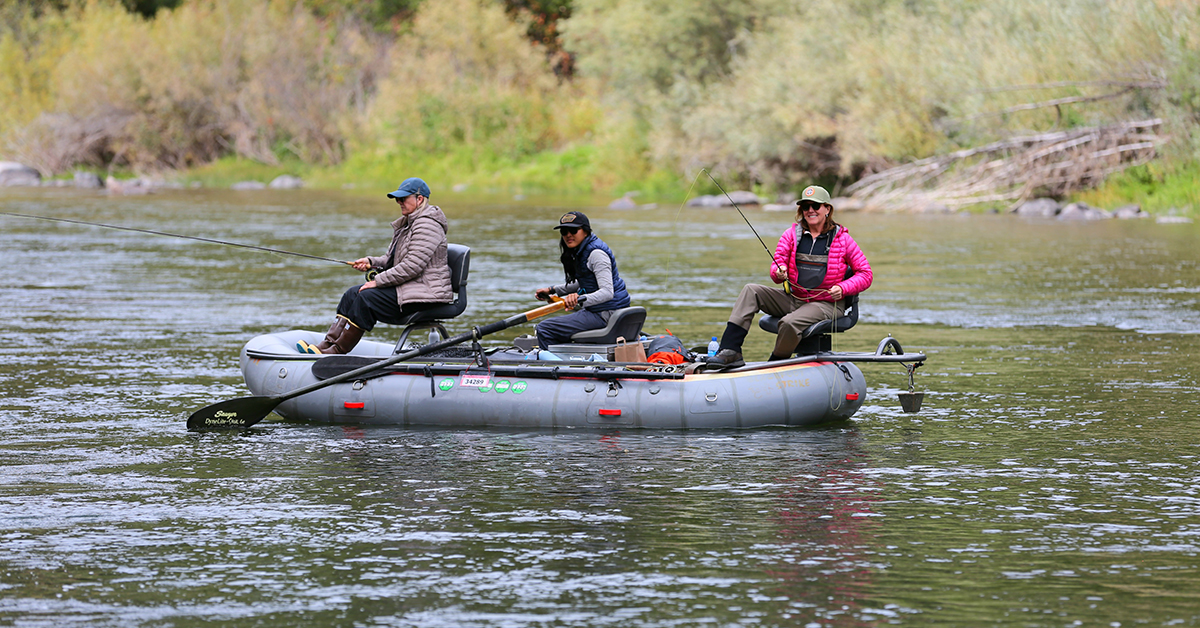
{"x":415,"y":273}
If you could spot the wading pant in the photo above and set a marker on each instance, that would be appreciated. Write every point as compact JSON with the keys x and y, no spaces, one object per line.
{"x":558,"y":330}
{"x":794,"y":314}
{"x":376,"y":305}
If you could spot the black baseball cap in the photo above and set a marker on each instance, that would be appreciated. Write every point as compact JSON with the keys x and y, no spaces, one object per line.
{"x":573,"y":219}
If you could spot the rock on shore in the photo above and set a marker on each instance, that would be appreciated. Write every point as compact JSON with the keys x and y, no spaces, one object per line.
{"x":741,"y":197}
{"x":14,"y":174}
{"x":1051,"y":209}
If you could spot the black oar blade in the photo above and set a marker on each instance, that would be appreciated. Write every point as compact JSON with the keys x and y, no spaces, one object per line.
{"x":233,"y":414}
{"x":335,"y":365}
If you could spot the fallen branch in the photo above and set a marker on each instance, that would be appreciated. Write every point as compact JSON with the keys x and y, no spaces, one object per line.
{"x":1014,"y":169}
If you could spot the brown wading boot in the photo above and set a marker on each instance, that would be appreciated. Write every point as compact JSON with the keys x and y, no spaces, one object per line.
{"x":334,"y":331}
{"x":347,"y":337}
{"x":726,"y":359}
{"x":340,"y":339}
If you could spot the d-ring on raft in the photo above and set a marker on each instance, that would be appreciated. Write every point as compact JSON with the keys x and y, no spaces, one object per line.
{"x":510,"y":391}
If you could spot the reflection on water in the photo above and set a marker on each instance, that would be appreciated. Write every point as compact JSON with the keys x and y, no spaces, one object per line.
{"x":1049,"y":480}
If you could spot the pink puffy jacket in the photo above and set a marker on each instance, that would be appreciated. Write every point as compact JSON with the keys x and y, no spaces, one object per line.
{"x":843,"y":252}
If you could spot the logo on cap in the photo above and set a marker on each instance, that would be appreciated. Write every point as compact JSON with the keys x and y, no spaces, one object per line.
{"x":567,"y":218}
{"x":809,"y":191}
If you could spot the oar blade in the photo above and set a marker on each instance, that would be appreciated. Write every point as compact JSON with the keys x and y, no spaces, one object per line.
{"x":335,"y":365}
{"x":232,"y":414}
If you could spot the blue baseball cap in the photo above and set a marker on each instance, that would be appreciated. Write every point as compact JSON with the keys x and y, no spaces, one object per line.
{"x":409,"y":187}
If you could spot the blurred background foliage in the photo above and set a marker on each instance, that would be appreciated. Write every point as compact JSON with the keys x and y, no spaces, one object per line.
{"x":582,"y":96}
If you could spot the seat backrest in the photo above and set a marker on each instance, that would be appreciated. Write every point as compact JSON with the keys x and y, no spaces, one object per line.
{"x":626,"y":322}
{"x":458,"y":257}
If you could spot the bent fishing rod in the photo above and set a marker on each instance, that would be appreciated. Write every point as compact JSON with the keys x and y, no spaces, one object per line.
{"x":787,"y":285}
{"x":370,"y":274}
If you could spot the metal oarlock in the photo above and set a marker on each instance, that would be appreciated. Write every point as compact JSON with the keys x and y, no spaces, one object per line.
{"x":910,"y":401}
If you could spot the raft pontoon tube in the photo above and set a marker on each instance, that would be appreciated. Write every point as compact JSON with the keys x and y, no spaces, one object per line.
{"x":515,"y":393}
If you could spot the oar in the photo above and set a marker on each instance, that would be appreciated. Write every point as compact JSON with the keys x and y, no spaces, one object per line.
{"x":236,"y":414}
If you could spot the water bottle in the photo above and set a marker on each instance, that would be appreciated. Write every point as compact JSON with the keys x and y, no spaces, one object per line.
{"x":713,"y":346}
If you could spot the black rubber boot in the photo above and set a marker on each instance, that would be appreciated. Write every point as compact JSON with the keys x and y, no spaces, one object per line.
{"x":733,"y":337}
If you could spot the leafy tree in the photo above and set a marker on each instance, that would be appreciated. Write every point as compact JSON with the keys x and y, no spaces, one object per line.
{"x":382,"y":15}
{"x":544,"y":17}
{"x":149,"y":8}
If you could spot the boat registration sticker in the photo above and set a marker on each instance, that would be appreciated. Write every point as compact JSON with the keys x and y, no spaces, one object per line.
{"x":446,"y":384}
{"x":503,"y":385}
{"x":474,"y":381}
{"x":519,"y":387}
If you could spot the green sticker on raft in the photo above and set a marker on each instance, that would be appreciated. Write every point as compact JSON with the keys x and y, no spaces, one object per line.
{"x":519,"y":387}
{"x":486,"y":387}
{"x":503,"y":385}
{"x":446,"y":383}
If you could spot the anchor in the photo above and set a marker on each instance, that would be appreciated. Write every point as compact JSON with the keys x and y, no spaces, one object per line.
{"x":910,"y":401}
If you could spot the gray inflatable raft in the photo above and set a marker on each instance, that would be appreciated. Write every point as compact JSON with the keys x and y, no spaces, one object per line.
{"x":537,"y":394}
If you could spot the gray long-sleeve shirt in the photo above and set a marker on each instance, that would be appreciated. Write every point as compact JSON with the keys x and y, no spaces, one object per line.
{"x":600,"y":264}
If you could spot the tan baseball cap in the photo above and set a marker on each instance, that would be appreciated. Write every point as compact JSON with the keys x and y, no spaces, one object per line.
{"x":814,"y":194}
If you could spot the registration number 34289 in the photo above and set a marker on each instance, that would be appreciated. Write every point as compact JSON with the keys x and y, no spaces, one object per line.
{"x":474,"y":381}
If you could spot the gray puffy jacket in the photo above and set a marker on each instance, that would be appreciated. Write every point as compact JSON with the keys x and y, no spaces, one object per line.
{"x":415,"y":263}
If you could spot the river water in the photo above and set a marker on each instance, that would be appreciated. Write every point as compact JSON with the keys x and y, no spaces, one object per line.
{"x":1050,"y":479}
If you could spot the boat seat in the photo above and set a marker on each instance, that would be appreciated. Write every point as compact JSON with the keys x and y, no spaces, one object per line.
{"x":624,"y":323}
{"x":817,"y":337}
{"x":458,"y":257}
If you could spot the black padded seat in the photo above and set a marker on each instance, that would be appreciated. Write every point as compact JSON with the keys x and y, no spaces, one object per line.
{"x":625,"y":323}
{"x":458,"y":257}
{"x":817,"y":339}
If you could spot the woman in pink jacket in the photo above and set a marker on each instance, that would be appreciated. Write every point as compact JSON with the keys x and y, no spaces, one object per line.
{"x":819,"y":265}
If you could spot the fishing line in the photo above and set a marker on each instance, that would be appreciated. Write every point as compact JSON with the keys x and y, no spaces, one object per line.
{"x":176,"y":235}
{"x":675,"y":226}
{"x":787,"y":287}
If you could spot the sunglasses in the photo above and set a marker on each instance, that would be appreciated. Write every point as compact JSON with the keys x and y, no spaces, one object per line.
{"x":810,"y":207}
{"x":568,"y":230}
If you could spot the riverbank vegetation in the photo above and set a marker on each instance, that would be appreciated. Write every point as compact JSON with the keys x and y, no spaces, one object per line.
{"x":595,"y":96}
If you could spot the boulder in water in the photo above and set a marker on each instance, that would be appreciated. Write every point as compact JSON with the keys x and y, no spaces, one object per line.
{"x":87,"y":180}
{"x":286,"y":182}
{"x":248,"y":185}
{"x":1082,"y":211}
{"x":1130,"y":211}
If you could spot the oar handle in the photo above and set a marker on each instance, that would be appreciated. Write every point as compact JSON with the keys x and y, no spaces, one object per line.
{"x":556,"y":304}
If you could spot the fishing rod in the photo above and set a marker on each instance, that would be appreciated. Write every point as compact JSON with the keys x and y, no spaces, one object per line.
{"x":787,"y":286}
{"x":370,"y":274}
